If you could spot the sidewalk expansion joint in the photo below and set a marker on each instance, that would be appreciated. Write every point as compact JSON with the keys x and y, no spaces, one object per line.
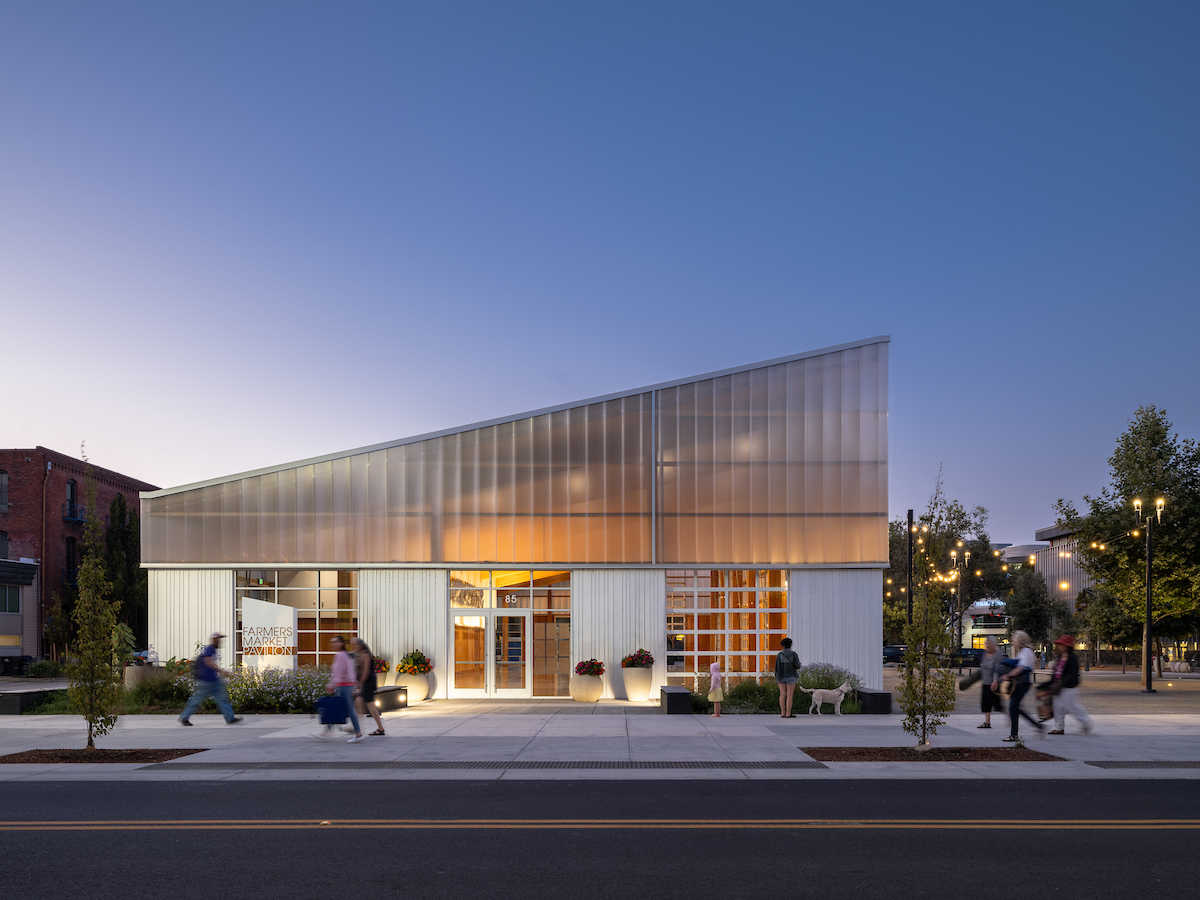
{"x":294,"y":765}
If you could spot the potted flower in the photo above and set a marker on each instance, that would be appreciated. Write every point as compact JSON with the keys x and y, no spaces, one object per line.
{"x":381,"y":666}
{"x":586,"y":686}
{"x":412,"y":672}
{"x":638,"y":669}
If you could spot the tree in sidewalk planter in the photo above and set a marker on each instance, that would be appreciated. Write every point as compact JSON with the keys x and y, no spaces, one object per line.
{"x":95,"y":683}
{"x":926,"y":689}
{"x":1150,"y":462}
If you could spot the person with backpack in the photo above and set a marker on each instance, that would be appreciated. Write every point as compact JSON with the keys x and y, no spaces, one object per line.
{"x":209,"y":684}
{"x":1064,"y":685}
{"x":787,"y":674}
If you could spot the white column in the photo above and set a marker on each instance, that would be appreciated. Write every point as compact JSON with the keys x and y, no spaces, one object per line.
{"x":401,"y":610}
{"x":836,"y":616}
{"x":615,"y":612}
{"x":186,"y":606}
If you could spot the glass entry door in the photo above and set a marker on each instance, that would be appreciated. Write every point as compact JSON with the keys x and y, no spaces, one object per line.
{"x":491,"y":654}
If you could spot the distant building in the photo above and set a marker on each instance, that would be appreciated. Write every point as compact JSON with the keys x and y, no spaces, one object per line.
{"x":1059,"y":565}
{"x":41,"y":531}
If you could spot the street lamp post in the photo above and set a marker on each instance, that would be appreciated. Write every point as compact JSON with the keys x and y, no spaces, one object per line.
{"x":958,"y":613}
{"x":1148,"y":635}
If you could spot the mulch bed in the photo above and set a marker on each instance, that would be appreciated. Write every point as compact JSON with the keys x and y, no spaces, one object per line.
{"x":96,"y":756}
{"x":933,"y":754}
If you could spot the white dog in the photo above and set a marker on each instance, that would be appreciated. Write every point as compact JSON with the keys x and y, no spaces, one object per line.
{"x":820,"y":696}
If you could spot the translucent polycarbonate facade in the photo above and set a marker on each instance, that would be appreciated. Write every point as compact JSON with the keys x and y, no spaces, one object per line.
{"x":784,"y":464}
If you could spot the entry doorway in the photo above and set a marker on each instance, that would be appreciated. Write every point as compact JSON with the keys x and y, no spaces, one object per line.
{"x":510,"y":633}
{"x":491,"y":654}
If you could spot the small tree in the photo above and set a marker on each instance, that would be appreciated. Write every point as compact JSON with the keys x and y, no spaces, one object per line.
{"x":926,"y":690}
{"x":95,"y":687}
{"x":1029,"y":606}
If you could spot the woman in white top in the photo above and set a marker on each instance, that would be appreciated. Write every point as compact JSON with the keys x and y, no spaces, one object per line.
{"x":1020,"y":676}
{"x":716,"y":695}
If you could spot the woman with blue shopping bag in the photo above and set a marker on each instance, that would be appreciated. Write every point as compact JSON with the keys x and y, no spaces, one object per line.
{"x":342,"y":682}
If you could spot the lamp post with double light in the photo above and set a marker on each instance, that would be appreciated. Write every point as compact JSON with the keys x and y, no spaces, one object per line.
{"x":1148,"y":636}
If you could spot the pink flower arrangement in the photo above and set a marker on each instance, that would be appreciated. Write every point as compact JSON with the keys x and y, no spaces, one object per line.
{"x":640,"y":660}
{"x":590,"y":667}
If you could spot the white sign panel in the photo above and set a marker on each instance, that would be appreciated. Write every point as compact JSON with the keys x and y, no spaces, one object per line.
{"x":268,"y":635}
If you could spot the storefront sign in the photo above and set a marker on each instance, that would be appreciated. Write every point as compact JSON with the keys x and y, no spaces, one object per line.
{"x":268,"y":635}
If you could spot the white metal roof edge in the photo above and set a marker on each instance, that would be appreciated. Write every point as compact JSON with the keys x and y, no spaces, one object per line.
{"x":283,"y":467}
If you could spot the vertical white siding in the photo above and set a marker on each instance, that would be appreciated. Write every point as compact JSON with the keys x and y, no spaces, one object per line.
{"x":186,"y":606}
{"x":615,"y":612}
{"x":836,"y":616}
{"x":401,"y":610}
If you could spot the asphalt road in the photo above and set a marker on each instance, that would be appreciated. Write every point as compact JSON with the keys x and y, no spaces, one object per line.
{"x":845,"y":839}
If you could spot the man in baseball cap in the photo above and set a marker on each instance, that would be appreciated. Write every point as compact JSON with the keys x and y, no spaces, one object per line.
{"x":209,"y":684}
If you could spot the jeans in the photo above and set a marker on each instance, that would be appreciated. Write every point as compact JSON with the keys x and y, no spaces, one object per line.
{"x":204,"y":690}
{"x":1014,"y":707}
{"x":346,"y":692}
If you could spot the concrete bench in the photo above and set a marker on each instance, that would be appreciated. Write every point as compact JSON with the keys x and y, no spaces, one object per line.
{"x":389,"y":699}
{"x":674,"y":700}
{"x":875,"y":702}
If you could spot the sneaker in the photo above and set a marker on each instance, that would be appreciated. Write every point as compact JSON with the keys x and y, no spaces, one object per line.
{"x":183,"y":721}
{"x":356,"y":739}
{"x":234,"y":720}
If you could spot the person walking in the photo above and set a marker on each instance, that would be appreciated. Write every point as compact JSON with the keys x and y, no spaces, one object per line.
{"x":364,"y":695}
{"x":787,"y":674}
{"x":342,"y":682}
{"x":989,"y":675}
{"x":715,"y":694}
{"x":1020,"y":677}
{"x":209,"y":684}
{"x":1064,"y":685}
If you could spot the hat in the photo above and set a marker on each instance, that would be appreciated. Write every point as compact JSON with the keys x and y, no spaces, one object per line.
{"x":216,"y":635}
{"x":1066,"y":640}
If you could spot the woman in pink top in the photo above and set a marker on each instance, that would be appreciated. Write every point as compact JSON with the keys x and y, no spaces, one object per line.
{"x":342,"y":682}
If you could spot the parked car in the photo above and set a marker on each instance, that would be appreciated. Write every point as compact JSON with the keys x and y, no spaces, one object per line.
{"x":894,"y":653}
{"x":965,"y":656}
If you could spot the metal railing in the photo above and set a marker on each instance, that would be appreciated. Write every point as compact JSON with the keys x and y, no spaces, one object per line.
{"x":73,"y":512}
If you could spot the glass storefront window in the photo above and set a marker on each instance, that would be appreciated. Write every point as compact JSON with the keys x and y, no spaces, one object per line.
{"x":733,"y":617}
{"x":326,"y":603}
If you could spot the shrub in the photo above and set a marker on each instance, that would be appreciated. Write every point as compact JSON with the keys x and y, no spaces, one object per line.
{"x":278,"y":690}
{"x":415,"y":663}
{"x":44,"y":668}
{"x":160,"y":693}
{"x":640,"y":660}
{"x":590,"y":667}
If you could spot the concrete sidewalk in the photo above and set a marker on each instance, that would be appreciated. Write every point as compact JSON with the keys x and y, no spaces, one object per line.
{"x":548,"y":740}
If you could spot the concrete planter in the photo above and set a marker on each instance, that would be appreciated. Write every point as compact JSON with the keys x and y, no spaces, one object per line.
{"x":586,"y":688}
{"x":637,"y":683}
{"x":418,"y":686}
{"x":135,"y":675}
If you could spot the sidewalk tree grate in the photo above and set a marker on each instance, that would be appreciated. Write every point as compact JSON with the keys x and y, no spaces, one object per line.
{"x":1144,"y":763}
{"x":297,"y":765}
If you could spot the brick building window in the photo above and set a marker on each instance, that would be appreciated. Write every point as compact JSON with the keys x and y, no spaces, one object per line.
{"x":3,"y":491}
{"x":3,"y":545}
{"x":72,"y":493}
{"x":10,"y":598}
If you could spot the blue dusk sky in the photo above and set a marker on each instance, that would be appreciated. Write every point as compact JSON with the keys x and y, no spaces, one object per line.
{"x":235,"y":234}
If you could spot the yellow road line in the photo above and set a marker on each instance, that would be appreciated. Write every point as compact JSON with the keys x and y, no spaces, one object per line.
{"x":604,"y":824}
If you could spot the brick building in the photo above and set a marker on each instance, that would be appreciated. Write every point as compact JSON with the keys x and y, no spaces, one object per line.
{"x":42,"y":514}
